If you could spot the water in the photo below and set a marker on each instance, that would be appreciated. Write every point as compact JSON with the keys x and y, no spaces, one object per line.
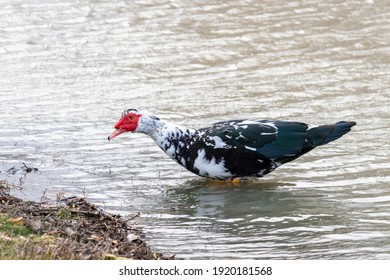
{"x":69,"y":68}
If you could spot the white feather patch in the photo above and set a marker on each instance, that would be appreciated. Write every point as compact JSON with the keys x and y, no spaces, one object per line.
{"x":219,"y":143}
{"x":250,"y":148}
{"x":209,"y":167}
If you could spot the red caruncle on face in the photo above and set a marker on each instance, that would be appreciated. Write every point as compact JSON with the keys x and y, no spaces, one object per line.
{"x":128,"y":123}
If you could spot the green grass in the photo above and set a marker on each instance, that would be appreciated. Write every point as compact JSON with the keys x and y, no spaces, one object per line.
{"x":12,"y":237}
{"x":65,"y":214}
{"x":18,"y":243}
{"x":12,"y":229}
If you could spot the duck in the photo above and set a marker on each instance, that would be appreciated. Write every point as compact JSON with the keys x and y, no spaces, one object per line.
{"x":231,"y":149}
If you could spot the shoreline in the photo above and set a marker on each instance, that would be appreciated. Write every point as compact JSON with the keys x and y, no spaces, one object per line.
{"x":72,"y":228}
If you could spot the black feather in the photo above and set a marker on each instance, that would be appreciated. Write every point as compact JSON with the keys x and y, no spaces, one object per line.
{"x":255,"y":148}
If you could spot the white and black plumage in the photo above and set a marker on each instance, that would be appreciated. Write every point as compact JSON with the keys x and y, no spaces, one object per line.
{"x":231,"y":149}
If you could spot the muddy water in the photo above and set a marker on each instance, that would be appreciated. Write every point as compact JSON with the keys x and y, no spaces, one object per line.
{"x":69,"y":68}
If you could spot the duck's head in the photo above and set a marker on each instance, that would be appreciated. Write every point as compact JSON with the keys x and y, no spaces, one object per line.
{"x":134,"y":120}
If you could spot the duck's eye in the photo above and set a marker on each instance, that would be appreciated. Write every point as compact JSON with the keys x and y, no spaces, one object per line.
{"x":131,"y":117}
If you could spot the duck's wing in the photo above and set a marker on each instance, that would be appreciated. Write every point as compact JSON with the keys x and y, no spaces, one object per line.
{"x":280,"y":141}
{"x":274,"y":140}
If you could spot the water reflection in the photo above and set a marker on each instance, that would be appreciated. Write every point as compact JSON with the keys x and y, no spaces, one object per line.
{"x":269,"y":217}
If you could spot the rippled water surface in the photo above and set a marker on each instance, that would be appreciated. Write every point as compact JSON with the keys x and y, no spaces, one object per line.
{"x":69,"y":68}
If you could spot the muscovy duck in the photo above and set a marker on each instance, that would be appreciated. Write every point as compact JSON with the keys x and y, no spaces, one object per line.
{"x":231,"y":149}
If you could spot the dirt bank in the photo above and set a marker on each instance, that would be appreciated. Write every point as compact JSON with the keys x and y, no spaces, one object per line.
{"x":72,"y":228}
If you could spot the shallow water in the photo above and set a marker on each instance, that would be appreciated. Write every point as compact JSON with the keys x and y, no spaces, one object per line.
{"x":68,"y":69}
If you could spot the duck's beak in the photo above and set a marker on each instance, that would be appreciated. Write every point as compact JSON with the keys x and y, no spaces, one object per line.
{"x":115,"y":133}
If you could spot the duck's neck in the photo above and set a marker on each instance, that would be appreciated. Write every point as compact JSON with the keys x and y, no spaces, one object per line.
{"x":174,"y":140}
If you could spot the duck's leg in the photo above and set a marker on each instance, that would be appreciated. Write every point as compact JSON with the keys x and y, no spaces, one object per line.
{"x":224,"y":183}
{"x":236,"y":181}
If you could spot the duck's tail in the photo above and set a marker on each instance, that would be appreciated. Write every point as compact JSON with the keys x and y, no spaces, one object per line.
{"x":324,"y":134}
